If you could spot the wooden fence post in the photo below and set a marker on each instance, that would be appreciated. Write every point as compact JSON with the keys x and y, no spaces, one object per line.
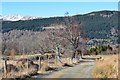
{"x":5,"y":67}
{"x":48,"y":59}
{"x":55,"y":59}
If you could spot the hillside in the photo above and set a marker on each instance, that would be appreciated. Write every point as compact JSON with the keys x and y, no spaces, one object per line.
{"x":95,"y":24}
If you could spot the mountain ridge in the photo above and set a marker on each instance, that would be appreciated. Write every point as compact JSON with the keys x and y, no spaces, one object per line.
{"x":17,"y":18}
{"x":33,"y":17}
{"x":95,"y":24}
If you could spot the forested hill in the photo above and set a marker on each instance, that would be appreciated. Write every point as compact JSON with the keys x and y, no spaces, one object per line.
{"x":95,"y":24}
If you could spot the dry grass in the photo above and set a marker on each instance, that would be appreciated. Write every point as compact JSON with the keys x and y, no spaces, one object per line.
{"x":106,"y":68}
{"x":52,"y":65}
{"x":45,"y":66}
{"x":119,"y":67}
{"x":22,"y":73}
{"x":22,"y":70}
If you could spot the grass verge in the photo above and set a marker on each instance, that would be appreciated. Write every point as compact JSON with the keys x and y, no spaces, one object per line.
{"x":107,"y":67}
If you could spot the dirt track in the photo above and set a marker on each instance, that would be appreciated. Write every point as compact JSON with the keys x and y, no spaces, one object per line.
{"x":82,"y":70}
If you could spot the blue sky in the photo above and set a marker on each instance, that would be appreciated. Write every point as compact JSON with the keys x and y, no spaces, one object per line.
{"x":47,"y":9}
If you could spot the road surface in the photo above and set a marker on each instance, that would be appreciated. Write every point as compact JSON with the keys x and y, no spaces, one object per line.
{"x":82,"y":70}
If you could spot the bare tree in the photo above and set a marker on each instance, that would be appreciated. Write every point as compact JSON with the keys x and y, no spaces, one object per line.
{"x":55,"y":42}
{"x":70,"y":36}
{"x":73,"y":33}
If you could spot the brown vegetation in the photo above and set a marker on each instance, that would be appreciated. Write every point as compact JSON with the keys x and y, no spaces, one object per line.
{"x":107,"y":67}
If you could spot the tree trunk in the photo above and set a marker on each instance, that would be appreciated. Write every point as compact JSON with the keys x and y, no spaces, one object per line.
{"x":73,"y":55}
{"x":58,"y":54}
{"x":39,"y":63}
{"x":48,"y":56}
{"x":27,"y":64}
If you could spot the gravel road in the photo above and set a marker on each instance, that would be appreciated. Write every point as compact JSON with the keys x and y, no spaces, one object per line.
{"x":82,"y":70}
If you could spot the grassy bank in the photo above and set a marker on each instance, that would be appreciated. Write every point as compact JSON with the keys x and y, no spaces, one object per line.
{"x":107,"y":67}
